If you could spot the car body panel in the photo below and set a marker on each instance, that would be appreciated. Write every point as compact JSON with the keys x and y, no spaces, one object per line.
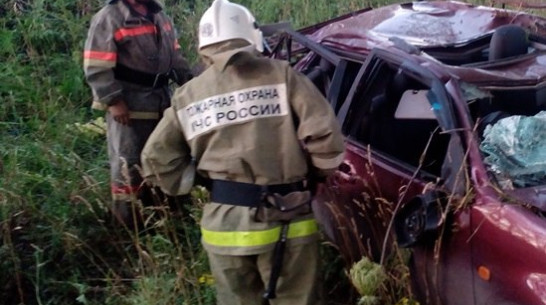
{"x":509,"y":241}
{"x":487,"y":245}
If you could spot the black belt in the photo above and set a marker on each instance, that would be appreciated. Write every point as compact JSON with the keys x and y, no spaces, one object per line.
{"x":130,"y":75}
{"x":248,"y":194}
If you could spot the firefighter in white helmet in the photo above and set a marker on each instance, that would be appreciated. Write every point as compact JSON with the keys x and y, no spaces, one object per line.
{"x":255,"y":129}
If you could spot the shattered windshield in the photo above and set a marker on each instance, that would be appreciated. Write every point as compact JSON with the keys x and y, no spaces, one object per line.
{"x":515,"y":149}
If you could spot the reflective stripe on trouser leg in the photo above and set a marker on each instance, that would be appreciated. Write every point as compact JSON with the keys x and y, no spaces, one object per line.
{"x":241,"y":280}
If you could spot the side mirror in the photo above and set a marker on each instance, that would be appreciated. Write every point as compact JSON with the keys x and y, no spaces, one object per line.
{"x":420,"y":220}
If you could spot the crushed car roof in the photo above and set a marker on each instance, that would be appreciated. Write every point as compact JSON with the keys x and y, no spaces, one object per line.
{"x":423,"y":24}
{"x":440,"y":26}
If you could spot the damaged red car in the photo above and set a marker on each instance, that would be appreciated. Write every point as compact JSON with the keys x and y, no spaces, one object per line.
{"x":441,"y":105}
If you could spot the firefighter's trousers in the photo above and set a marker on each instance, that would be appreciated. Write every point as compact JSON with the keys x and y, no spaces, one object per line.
{"x":125,"y":143}
{"x":242,"y":280}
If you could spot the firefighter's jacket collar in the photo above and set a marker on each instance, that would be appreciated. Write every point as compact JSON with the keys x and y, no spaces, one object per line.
{"x":221,"y":55}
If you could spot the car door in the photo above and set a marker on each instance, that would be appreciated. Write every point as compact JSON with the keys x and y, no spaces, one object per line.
{"x":396,"y":161}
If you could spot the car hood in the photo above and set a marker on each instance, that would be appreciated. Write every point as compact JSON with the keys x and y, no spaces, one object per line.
{"x":535,"y":196}
{"x":423,"y":24}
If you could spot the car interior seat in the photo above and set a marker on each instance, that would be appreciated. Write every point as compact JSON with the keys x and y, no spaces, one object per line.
{"x":507,"y":41}
{"x":320,"y":75}
{"x":382,"y":110}
{"x":490,"y":119}
{"x":406,"y":139}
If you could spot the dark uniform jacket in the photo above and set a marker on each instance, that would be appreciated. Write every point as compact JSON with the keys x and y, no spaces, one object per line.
{"x":125,"y":51}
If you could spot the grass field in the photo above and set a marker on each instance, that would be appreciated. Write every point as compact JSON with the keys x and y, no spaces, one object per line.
{"x":58,"y":243}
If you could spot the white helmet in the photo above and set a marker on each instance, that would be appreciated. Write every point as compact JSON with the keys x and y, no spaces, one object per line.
{"x":224,"y":21}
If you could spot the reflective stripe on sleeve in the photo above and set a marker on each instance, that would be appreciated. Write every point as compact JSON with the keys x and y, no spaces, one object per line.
{"x":98,"y":63}
{"x":258,"y":238}
{"x":99,"y":59}
{"x":100,"y":55}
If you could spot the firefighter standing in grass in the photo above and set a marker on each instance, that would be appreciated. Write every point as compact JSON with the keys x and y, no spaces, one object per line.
{"x":249,"y":125}
{"x":131,"y":53}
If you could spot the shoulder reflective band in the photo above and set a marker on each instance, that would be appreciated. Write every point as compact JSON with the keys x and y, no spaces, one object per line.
{"x":258,"y":238}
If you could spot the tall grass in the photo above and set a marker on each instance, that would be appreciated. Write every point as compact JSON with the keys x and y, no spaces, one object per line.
{"x":58,"y":243}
